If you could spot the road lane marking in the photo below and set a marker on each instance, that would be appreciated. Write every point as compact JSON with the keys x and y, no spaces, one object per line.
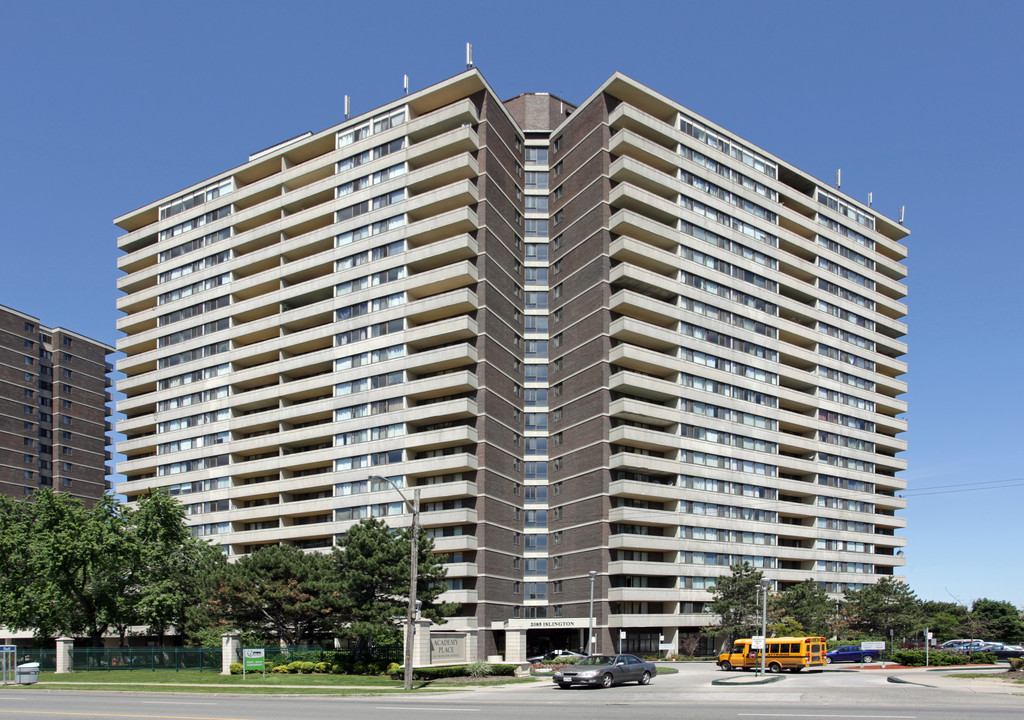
{"x":427,"y":707}
{"x":112,"y":715}
{"x":791,"y":715}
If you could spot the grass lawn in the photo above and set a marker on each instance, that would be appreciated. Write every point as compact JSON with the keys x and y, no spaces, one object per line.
{"x":254,"y":683}
{"x":1013,"y":677}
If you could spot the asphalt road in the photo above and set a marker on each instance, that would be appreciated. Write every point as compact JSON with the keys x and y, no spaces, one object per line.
{"x":826,"y":696}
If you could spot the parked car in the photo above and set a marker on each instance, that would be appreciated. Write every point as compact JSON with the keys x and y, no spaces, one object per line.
{"x":850,"y":653}
{"x":554,"y":655}
{"x":1002,"y":650}
{"x":965,"y":646}
{"x":605,"y":671}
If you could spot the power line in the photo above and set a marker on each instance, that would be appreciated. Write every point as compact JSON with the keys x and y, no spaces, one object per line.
{"x":982,"y":482}
{"x":961,"y":489}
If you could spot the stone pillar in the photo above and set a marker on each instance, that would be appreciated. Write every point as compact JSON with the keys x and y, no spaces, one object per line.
{"x":230,"y":651}
{"x":671,"y":635}
{"x":421,"y":644}
{"x":515,"y":645}
{"x":64,"y":645}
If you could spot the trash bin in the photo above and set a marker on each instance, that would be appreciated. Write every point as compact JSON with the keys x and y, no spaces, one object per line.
{"x":27,"y":674}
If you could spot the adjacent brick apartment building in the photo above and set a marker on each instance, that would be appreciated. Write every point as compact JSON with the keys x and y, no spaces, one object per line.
{"x":53,"y":414}
{"x":611,"y":337}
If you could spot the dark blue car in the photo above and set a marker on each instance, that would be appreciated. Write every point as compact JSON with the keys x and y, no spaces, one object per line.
{"x":850,"y":653}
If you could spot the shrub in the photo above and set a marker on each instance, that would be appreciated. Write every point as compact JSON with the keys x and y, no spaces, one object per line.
{"x":1016,"y":664}
{"x":437,"y":673}
{"x":939,"y":658}
{"x":280,"y":669}
{"x":236,"y":668}
{"x":478,"y":669}
{"x":306,"y":668}
{"x":269,"y":665}
{"x":337,"y":670}
{"x":295,"y":667}
{"x":321,"y":667}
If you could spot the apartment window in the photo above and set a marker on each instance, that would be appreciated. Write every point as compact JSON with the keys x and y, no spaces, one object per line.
{"x":67,"y":357}
{"x":557,"y":144}
{"x":559,"y":216}
{"x":557,"y":266}
{"x":536,"y":156}
{"x":558,"y":289}
{"x":28,"y":393}
{"x":536,"y":300}
{"x":536,"y":276}
{"x":536,"y":324}
{"x":65,"y":404}
{"x":519,"y":170}
{"x":66,"y":341}
{"x":536,"y":228}
{"x":65,"y":482}
{"x":557,"y":194}
{"x":556,"y":562}
{"x":537,"y":252}
{"x":519,"y":143}
{"x":29,"y":361}
{"x":536,"y":349}
{"x":65,"y":387}
{"x":536,"y":203}
{"x":536,"y":180}
{"x":536,"y":373}
{"x":557,"y":170}
{"x":29,"y":327}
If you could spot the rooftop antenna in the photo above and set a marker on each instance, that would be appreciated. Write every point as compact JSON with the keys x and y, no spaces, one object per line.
{"x":839,"y":178}
{"x":348,"y":106}
{"x":405,"y":84}
{"x":871,"y":198}
{"x":903,"y":213}
{"x":469,"y":56}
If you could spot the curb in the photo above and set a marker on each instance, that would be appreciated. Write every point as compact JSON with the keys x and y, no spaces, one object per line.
{"x":899,"y":681}
{"x":741,"y":681}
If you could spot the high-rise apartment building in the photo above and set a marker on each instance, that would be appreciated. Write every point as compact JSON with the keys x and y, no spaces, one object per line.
{"x":611,"y":338}
{"x":53,"y":414}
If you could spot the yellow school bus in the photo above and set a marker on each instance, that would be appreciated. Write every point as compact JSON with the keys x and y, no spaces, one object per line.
{"x":784,"y":653}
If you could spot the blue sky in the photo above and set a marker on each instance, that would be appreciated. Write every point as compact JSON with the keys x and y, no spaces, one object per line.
{"x":107,"y":106}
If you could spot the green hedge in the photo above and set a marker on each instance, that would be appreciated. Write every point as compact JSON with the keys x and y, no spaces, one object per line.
{"x":450,"y":671}
{"x":938,"y":658}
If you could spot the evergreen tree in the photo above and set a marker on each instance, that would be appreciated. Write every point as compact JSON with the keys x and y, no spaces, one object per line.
{"x":808,"y":607}
{"x":278,"y":591}
{"x":886,"y":605}
{"x":372,"y":563}
{"x":735,"y":602}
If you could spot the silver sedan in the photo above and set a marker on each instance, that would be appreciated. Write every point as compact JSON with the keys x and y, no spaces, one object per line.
{"x":605,"y":671}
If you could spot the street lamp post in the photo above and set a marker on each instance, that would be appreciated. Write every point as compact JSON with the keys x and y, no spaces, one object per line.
{"x":764,"y":619}
{"x":414,"y":558}
{"x":590,"y":633}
